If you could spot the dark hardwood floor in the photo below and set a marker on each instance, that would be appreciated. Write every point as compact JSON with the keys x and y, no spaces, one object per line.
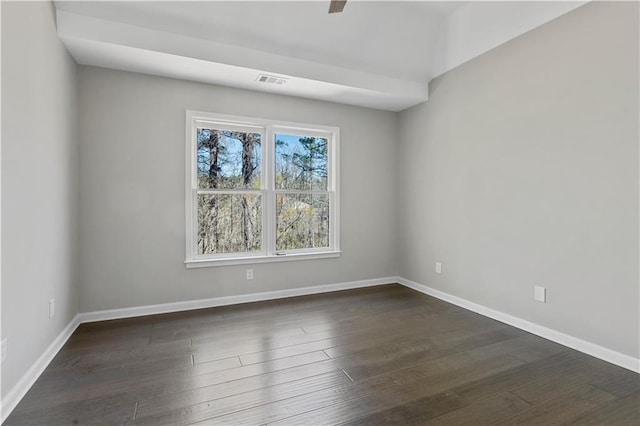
{"x":382,"y":355}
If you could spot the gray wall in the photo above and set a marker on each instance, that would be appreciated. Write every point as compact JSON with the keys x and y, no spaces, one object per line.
{"x":522,"y":169}
{"x":132,"y":129}
{"x":39,"y":185}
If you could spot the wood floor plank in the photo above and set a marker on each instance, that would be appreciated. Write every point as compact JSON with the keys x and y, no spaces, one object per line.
{"x":341,"y":309}
{"x":623,"y":411}
{"x":368,"y":362}
{"x":434,"y":336}
{"x":616,"y":380}
{"x":417,"y":411}
{"x":116,"y":409}
{"x":519,"y":375}
{"x":548,"y":386}
{"x":263,"y":367}
{"x":231,"y":404}
{"x":357,"y":340}
{"x":380,"y":355}
{"x":483,"y":412}
{"x":565,"y":408}
{"x":286,"y":351}
{"x":155,"y":402}
{"x":106,"y":383}
{"x":89,"y":365}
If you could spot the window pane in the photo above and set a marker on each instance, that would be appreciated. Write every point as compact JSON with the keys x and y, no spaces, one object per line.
{"x":228,"y":160}
{"x":302,"y":221}
{"x":229,"y":223}
{"x":301,"y":162}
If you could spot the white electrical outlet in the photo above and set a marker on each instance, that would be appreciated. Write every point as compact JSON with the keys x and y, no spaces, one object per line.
{"x":3,"y":350}
{"x":249,"y":274}
{"x":540,"y":294}
{"x":438,"y":268}
{"x":52,"y":308}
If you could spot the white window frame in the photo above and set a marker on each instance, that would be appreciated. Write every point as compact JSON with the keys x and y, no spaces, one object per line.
{"x":268,"y":129}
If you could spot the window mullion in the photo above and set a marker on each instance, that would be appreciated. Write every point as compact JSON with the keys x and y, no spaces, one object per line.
{"x":269,"y":211}
{"x":194,"y":222}
{"x":191,"y":171}
{"x":333,"y":169}
{"x":229,"y":191}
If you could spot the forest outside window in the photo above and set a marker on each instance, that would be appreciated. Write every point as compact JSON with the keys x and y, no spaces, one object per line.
{"x":259,"y":190}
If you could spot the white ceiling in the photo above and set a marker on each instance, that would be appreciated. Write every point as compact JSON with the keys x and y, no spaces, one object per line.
{"x":379,"y":54}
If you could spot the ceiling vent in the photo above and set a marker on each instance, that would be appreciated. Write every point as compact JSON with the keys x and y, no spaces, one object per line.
{"x":269,"y":79}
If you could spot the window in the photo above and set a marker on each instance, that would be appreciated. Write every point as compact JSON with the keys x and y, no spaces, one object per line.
{"x":259,"y":190}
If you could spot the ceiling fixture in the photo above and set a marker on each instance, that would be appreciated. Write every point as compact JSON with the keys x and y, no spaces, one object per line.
{"x":270,"y":79}
{"x":336,"y":6}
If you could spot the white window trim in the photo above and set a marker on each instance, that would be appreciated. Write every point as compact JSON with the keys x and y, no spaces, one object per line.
{"x":267,"y":128}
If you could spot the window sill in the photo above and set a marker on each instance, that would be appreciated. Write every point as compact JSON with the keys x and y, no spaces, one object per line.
{"x":206,"y":263}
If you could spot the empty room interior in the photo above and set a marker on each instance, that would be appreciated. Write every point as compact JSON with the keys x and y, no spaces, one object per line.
{"x":320,"y":212}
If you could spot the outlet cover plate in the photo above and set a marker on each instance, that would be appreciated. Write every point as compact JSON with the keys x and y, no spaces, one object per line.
{"x":540,"y":294}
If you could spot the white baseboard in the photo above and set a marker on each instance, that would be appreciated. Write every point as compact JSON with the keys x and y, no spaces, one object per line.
{"x":20,"y":389}
{"x":589,"y":348}
{"x":227,"y":300}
